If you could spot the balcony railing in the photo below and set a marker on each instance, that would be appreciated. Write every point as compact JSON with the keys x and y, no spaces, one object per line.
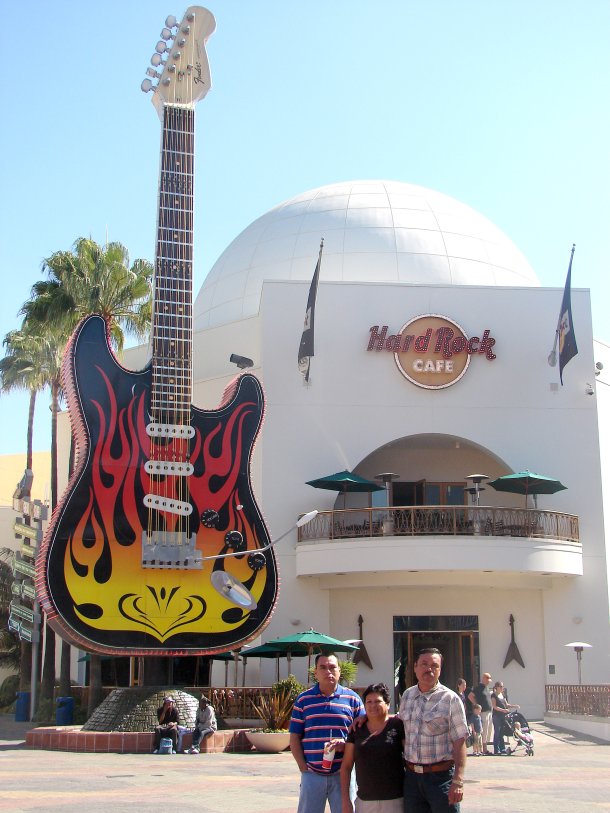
{"x":435,"y":520}
{"x":593,"y":700}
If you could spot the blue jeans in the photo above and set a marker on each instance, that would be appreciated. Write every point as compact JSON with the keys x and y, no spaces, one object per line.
{"x":199,"y":734}
{"x":499,"y":744}
{"x":316,"y":789}
{"x":428,"y":792}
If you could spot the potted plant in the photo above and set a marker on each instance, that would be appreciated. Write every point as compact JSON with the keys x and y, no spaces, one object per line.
{"x":275,"y":711}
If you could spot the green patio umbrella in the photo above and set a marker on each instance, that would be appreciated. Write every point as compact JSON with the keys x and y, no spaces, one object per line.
{"x":344,"y":481}
{"x":268,"y":651}
{"x":527,"y":482}
{"x":311,"y":641}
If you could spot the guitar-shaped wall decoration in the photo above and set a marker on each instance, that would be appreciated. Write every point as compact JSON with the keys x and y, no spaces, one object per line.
{"x":134,"y":561}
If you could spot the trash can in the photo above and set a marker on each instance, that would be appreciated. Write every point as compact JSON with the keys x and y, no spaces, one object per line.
{"x":64,"y":713}
{"x":22,"y":707}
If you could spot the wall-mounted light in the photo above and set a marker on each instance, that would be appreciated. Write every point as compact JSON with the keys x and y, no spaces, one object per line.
{"x":243,"y":362}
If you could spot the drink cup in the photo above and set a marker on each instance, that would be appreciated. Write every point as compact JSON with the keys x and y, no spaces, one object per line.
{"x":329,"y":755}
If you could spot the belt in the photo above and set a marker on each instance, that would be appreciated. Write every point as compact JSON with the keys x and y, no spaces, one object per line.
{"x":432,"y":767}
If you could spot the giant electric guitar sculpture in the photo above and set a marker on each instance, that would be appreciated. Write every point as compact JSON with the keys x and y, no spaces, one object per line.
{"x":134,"y":558}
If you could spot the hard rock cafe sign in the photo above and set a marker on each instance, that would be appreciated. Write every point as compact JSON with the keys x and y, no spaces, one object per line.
{"x":431,"y":351}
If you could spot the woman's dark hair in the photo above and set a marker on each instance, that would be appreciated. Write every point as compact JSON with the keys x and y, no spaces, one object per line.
{"x":377,"y":688}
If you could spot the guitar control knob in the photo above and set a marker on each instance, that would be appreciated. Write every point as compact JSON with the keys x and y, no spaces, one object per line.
{"x":235,"y":540}
{"x":256,"y":561}
{"x":210,"y":518}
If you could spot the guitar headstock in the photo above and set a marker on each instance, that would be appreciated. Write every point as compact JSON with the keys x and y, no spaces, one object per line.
{"x":180,"y":63}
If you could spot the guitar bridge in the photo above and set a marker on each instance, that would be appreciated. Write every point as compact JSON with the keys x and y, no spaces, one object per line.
{"x":164,"y":550}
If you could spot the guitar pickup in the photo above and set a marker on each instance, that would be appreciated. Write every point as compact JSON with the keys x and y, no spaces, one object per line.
{"x":169,"y":467}
{"x":179,"y":507}
{"x":169,"y":430}
{"x":164,"y":550}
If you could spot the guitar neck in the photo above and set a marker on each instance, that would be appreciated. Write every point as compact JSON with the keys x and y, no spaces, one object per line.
{"x":172,"y":328}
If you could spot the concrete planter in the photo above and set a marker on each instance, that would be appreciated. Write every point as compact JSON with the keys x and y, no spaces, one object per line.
{"x":269,"y":742}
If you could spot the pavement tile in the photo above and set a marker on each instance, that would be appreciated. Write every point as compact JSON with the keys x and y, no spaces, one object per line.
{"x":567,"y":774}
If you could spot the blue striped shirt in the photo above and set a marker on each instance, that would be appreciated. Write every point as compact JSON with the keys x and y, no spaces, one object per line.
{"x":317,"y":718}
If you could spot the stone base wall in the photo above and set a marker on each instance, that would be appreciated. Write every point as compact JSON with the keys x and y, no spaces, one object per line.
{"x":73,"y":738}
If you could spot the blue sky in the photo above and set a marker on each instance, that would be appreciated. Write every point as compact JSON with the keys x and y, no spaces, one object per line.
{"x":502,"y":105}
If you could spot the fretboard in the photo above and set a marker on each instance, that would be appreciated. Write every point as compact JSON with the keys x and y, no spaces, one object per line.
{"x":173,"y":310}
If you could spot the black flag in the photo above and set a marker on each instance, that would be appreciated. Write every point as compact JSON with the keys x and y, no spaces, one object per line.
{"x":306,"y":348}
{"x":564,"y":335}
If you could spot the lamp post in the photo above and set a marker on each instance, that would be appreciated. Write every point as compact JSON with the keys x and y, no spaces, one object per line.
{"x":477,"y":479}
{"x":386,"y":478}
{"x":578,"y":647}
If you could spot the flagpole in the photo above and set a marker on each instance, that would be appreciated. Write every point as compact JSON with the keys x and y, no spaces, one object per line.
{"x":552,"y":357}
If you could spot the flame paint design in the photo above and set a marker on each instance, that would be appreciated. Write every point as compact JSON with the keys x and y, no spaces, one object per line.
{"x":94,"y":587}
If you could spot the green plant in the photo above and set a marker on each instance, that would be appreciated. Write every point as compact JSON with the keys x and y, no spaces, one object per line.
{"x":8,"y":691}
{"x":274,"y":710}
{"x":349,"y":672}
{"x":290,"y":685}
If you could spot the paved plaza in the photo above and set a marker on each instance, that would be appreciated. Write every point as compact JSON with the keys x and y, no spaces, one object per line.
{"x":567,"y":774}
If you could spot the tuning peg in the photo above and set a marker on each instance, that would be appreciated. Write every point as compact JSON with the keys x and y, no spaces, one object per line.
{"x":152,"y":72}
{"x":166,"y":34}
{"x":160,"y":47}
{"x":156,"y":60}
{"x":171,"y":21}
{"x":146,"y":86}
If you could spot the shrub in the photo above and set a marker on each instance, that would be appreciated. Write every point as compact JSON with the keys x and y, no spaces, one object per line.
{"x":290,"y":685}
{"x":274,"y":710}
{"x":8,"y":691}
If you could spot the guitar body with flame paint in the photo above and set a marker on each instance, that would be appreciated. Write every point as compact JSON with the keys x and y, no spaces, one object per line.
{"x":161,"y":492}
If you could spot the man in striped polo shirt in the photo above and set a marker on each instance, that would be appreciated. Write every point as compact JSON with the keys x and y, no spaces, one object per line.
{"x":322,"y":714}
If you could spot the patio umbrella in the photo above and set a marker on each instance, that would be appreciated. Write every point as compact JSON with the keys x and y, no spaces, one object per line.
{"x":268,"y":651}
{"x":309,"y":642}
{"x":527,"y":482}
{"x":344,"y":481}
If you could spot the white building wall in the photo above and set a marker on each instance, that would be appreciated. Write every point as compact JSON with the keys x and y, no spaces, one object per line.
{"x":512,"y":408}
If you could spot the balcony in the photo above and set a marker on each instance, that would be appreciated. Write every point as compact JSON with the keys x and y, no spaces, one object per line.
{"x":436,"y":539}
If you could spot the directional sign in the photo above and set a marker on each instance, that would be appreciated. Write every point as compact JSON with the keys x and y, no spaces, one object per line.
{"x":31,"y":531}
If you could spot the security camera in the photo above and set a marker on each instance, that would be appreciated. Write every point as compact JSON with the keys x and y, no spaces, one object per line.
{"x":599,"y":365}
{"x":243,"y":362}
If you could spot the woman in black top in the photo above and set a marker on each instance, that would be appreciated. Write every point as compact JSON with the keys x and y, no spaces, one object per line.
{"x":376,"y":748}
{"x":500,"y":708}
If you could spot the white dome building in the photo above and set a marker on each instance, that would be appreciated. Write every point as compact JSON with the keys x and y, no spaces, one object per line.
{"x":374,"y":231}
{"x":402,"y":261}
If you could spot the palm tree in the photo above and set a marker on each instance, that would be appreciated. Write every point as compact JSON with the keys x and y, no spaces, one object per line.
{"x":89,"y":279}
{"x":23,"y":367}
{"x":94,"y":279}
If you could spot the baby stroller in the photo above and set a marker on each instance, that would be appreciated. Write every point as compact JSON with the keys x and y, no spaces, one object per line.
{"x":517,"y":727}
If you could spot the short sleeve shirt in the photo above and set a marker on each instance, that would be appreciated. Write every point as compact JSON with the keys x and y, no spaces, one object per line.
{"x":433,"y":721}
{"x":380,"y":768}
{"x":317,"y":718}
